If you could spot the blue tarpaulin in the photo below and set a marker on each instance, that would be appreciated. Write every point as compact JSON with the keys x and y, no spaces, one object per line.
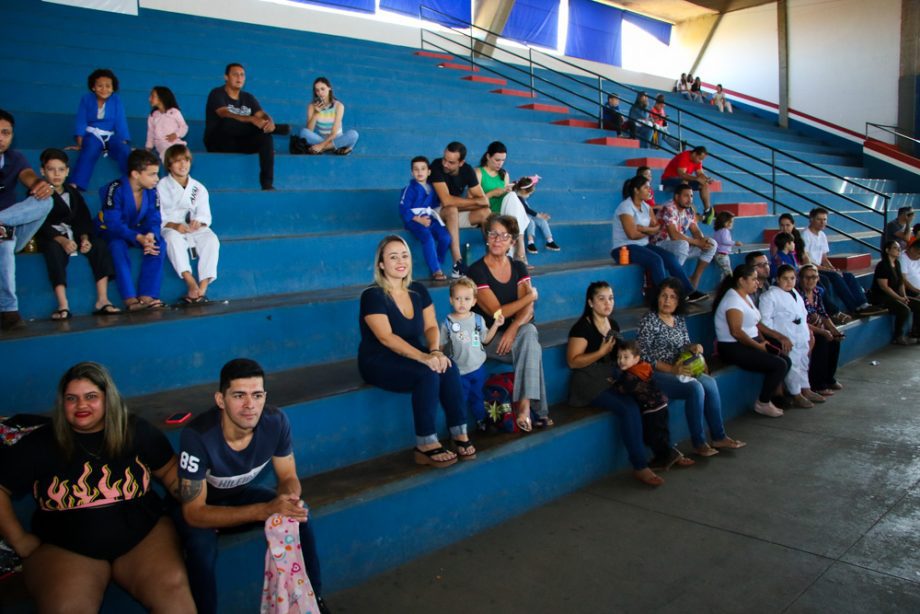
{"x":534,"y":21}
{"x":364,"y":6}
{"x":461,"y":9}
{"x":659,"y":29}
{"x":594,"y":32}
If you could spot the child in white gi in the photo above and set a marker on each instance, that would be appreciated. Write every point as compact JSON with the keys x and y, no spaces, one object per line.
{"x":186,"y":212}
{"x":463,"y":339}
{"x":783,"y":309}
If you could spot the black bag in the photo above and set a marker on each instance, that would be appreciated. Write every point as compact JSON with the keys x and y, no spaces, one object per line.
{"x":298,"y":146}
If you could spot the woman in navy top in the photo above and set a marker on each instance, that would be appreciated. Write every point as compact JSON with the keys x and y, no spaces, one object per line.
{"x":399,"y":352}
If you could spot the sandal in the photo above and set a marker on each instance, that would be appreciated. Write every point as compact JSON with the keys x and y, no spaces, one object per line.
{"x":705,"y":451}
{"x":343,"y":151}
{"x":426,"y":457}
{"x":675,"y":457}
{"x":729,"y":444}
{"x":544,"y":422}
{"x":647,"y":476}
{"x":523,"y":423}
{"x":463,"y":449}
{"x":107,"y":310}
{"x":136,"y":306}
{"x":154,"y":304}
{"x":187,"y":300}
{"x":439,"y":276}
{"x":62,"y":314}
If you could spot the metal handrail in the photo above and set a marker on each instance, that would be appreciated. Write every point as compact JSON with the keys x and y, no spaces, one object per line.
{"x":773,"y":151}
{"x":895,"y":130}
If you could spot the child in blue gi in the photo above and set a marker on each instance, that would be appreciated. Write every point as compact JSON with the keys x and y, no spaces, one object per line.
{"x":130,"y":217}
{"x":417,"y":205}
{"x":463,"y":339}
{"x":102,"y":127}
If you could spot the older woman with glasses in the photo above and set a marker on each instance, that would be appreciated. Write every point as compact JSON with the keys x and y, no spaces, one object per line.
{"x":503,"y":287}
{"x":826,"y":351}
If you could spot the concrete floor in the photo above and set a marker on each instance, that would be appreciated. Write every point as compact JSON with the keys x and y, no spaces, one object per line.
{"x":819,"y":513}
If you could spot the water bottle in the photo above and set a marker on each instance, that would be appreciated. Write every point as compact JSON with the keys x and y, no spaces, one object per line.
{"x":466,"y":254}
{"x":624,"y":255}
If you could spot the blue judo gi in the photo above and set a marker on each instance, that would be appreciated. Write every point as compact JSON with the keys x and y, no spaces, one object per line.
{"x":413,"y":201}
{"x":114,"y":120}
{"x":119,"y":222}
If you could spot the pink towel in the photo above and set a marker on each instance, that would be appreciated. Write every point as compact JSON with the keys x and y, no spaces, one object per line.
{"x":287,"y":589}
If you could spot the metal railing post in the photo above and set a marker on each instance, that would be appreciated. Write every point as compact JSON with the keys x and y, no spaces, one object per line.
{"x":773,"y":168}
{"x":530,"y":55}
{"x":472,"y":65}
{"x":680,"y":132}
{"x":885,"y":214}
{"x":600,"y":102}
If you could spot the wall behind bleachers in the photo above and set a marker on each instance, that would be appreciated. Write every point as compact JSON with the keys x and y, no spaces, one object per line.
{"x":844,"y":57}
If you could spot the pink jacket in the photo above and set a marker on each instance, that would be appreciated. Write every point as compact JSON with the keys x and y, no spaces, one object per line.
{"x":159,"y":125}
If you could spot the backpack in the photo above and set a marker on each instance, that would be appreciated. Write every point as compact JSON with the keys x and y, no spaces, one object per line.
{"x":497,"y":397}
{"x":298,"y":146}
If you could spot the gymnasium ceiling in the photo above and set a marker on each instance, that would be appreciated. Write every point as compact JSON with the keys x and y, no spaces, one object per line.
{"x":681,"y":10}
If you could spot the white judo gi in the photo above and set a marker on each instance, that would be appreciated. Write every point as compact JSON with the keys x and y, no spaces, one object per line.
{"x":785,"y":313}
{"x":180,"y":205}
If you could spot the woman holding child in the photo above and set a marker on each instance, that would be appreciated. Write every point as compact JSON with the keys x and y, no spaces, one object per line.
{"x":400,"y":351}
{"x":663,"y":337}
{"x":591,"y":356}
{"x":504,"y":290}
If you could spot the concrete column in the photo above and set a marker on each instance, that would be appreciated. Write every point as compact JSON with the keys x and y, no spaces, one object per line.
{"x":491,"y":15}
{"x":909,"y":76}
{"x":782,"y":29}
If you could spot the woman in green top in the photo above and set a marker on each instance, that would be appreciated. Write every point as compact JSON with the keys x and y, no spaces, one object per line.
{"x":492,"y":175}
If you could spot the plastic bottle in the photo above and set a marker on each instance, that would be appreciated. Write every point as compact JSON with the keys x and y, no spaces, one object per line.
{"x":624,"y":255}
{"x":466,"y":254}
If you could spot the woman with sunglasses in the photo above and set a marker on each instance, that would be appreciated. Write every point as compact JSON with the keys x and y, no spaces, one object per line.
{"x":503,"y":287}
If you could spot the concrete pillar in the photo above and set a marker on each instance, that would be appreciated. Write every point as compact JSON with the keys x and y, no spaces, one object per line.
{"x":782,"y":29}
{"x":491,"y":15}
{"x":909,"y":76}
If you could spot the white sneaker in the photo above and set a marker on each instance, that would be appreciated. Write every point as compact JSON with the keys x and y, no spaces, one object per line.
{"x":768,"y":409}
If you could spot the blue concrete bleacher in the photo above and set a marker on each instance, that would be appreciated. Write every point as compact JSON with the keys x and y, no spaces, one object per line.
{"x":293,"y":263}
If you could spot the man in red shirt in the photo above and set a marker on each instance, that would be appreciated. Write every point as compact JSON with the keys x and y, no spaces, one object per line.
{"x":687,"y":167}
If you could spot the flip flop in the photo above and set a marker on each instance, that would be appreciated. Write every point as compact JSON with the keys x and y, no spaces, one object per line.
{"x":523,"y":423}
{"x":426,"y":457}
{"x":107,"y":310}
{"x":729,"y":444}
{"x":463,"y":450}
{"x":187,"y":300}
{"x":136,"y":306}
{"x":705,"y":450}
{"x":544,"y":422}
{"x":652,"y":480}
{"x":154,"y":304}
{"x":343,"y":151}
{"x":439,"y":276}
{"x":62,"y":314}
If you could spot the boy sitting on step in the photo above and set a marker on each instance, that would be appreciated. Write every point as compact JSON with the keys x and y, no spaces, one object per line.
{"x":462,"y":340}
{"x":635,"y":380}
{"x":417,"y":205}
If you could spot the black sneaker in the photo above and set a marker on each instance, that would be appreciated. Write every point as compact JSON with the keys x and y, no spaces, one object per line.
{"x":696,"y":296}
{"x":458,"y":270}
{"x":551,"y":246}
{"x":532,"y":248}
{"x":7,"y":233}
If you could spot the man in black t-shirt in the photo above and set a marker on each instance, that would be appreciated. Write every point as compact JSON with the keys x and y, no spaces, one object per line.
{"x":223,"y":452}
{"x":450,"y":176}
{"x":236,"y":123}
{"x":19,"y":219}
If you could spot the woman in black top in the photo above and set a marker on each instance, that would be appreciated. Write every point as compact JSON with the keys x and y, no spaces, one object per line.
{"x":591,"y":356}
{"x":97,"y":516}
{"x":400,"y":352}
{"x":889,"y":291}
{"x":503,"y":286}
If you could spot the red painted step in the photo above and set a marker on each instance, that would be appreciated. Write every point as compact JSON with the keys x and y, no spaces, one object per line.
{"x":434,"y":54}
{"x":504,"y":91}
{"x":576,"y":123}
{"x":743,"y":209}
{"x":769,"y":234}
{"x":649,"y":162}
{"x":455,"y":66}
{"x":612,"y":141}
{"x":549,"y":108}
{"x":481,"y":79}
{"x":851,"y":262}
{"x":715,"y":186}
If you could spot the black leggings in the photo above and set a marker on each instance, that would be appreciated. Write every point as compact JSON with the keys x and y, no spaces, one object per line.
{"x":901,"y":313}
{"x":774,"y":367}
{"x":823,"y":365}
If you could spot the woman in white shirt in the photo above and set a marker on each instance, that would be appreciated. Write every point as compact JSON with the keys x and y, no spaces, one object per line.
{"x":739,"y":331}
{"x":782,"y":308}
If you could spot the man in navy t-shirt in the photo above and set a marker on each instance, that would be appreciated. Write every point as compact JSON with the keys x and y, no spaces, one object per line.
{"x":235,"y":123}
{"x":18,"y":220}
{"x":222,"y":452}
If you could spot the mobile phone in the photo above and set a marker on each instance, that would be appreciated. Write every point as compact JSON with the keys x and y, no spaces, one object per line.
{"x":179,"y":417}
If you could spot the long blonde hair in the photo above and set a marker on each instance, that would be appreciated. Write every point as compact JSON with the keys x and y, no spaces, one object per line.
{"x":117,"y":436}
{"x":379,"y":278}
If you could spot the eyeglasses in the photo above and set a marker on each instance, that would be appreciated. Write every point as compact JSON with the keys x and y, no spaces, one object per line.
{"x":501,"y":236}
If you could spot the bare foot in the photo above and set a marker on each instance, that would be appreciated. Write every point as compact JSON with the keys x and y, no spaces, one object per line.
{"x":647,"y":476}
